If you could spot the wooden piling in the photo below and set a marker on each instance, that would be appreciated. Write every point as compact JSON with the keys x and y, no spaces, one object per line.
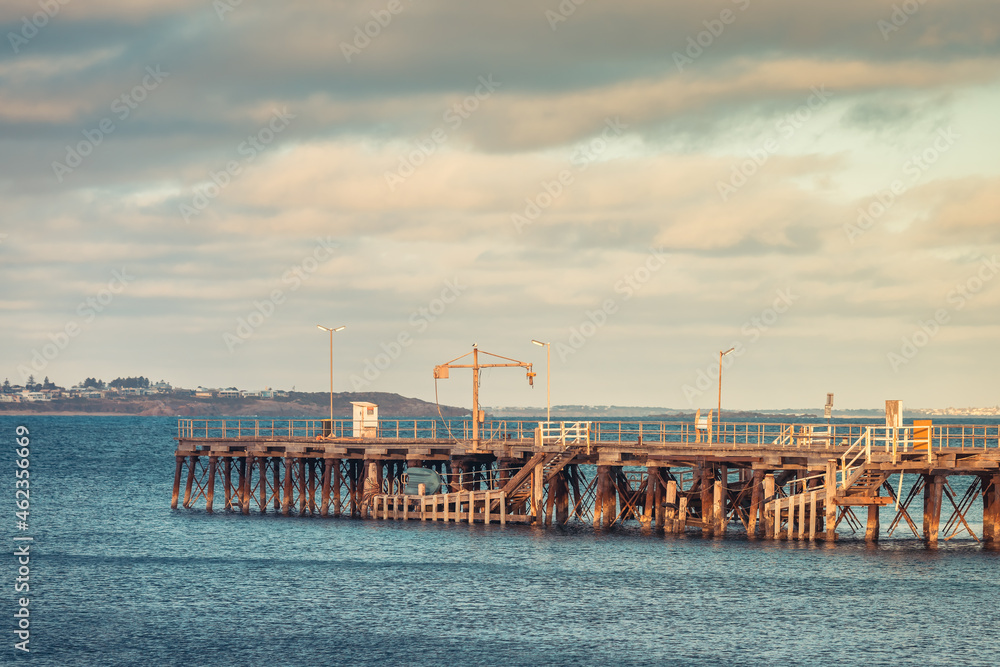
{"x":227,"y":482}
{"x":872,"y":528}
{"x":262,"y":464}
{"x":192,"y":464}
{"x":756,"y":512}
{"x":933,"y":493}
{"x":337,"y":488}
{"x":302,"y":486}
{"x":562,"y":498}
{"x":210,"y":492}
{"x":650,"y":500}
{"x":671,"y":507}
{"x":537,"y":489}
{"x":286,"y":498}
{"x":658,"y":508}
{"x":610,"y":511}
{"x":324,"y":509}
{"x":707,"y":491}
{"x":991,"y":508}
{"x":682,"y":512}
{"x":602,"y":477}
{"x":813,"y":515}
{"x":772,"y":517}
{"x":246,"y":468}
{"x":718,"y":508}
{"x":178,"y":467}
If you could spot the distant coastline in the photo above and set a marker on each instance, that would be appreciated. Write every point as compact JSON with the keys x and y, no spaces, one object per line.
{"x":297,"y":404}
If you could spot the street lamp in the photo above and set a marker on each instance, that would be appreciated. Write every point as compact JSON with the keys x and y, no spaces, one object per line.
{"x":718,"y":413}
{"x":548,"y":378}
{"x":341,"y":328}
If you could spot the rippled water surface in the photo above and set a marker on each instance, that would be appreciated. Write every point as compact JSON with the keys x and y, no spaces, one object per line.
{"x":118,"y":578}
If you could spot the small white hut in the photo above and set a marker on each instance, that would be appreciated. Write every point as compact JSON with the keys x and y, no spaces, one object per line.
{"x":365,"y":419}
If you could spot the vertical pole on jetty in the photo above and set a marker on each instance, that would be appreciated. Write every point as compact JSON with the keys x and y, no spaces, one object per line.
{"x":286,"y":497}
{"x":671,"y":506}
{"x":756,"y":490}
{"x":774,"y":516}
{"x":830,"y":503}
{"x":178,"y":466}
{"x":707,"y":479}
{"x":324,"y":509}
{"x":933,"y":490}
{"x":192,"y":462}
{"x":338,"y":483}
{"x":991,"y":508}
{"x":210,"y":493}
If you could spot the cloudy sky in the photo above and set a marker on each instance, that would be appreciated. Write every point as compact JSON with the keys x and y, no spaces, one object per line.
{"x":190,"y":187}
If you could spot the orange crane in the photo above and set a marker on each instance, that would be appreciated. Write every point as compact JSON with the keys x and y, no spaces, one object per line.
{"x":478,"y":416}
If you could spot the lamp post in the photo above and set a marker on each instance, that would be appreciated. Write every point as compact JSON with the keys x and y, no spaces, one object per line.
{"x":340,"y":328}
{"x":548,"y":378}
{"x":718,"y":413}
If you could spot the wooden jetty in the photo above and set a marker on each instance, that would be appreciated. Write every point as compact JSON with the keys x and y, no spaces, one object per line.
{"x":771,"y":481}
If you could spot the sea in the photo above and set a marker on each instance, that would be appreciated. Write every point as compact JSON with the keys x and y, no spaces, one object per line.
{"x":116,"y":577}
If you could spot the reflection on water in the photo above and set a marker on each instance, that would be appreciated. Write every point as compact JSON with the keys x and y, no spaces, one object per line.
{"x":122,"y":579}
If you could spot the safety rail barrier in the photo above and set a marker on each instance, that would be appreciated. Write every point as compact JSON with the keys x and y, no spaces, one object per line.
{"x":565,"y":433}
{"x":727,"y":435}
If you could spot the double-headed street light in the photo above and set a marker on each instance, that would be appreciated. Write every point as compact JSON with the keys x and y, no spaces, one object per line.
{"x":718,"y":413}
{"x":340,"y":328}
{"x":548,"y":378}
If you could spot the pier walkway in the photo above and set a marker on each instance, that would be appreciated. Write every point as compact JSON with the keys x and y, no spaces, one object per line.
{"x":778,"y":481}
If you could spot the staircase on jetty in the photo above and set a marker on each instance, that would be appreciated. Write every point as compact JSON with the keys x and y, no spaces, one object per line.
{"x":791,"y":481}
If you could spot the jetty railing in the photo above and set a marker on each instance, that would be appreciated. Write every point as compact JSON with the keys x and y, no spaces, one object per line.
{"x":728,"y":434}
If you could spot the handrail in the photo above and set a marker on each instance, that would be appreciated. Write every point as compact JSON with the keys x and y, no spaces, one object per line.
{"x":768,"y":434}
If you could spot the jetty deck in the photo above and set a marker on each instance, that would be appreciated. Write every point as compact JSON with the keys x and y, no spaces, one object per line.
{"x":773,"y":481}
